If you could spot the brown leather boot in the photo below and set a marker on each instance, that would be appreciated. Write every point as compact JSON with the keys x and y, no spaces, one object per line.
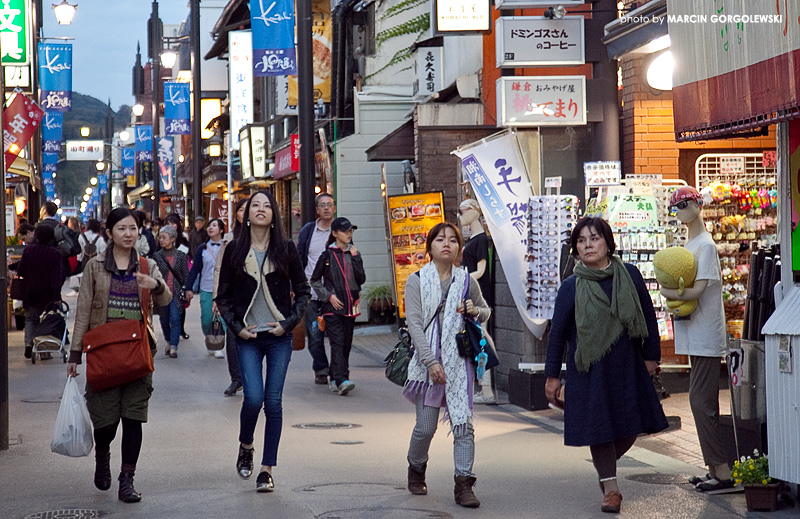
{"x":126,"y":491}
{"x":463,"y":492}
{"x":416,"y":480}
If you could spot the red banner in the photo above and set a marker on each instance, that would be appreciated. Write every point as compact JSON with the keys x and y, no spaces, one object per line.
{"x":219,"y":209}
{"x":295,"y":152}
{"x":22,"y":117}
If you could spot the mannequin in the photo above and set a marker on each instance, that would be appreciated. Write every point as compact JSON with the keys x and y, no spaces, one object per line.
{"x":702,"y":336}
{"x":476,"y":258}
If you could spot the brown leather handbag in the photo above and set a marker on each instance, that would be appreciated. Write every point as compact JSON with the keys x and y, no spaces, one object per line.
{"x":119,"y":352}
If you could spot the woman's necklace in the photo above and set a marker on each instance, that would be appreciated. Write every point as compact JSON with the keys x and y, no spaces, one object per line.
{"x":259,"y":247}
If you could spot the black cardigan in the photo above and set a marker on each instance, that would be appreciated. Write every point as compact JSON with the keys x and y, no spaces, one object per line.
{"x":236,"y":290}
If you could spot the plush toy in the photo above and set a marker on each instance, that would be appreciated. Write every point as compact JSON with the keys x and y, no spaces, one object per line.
{"x":676,"y":269}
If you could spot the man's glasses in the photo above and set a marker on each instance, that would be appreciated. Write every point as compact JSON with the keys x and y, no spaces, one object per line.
{"x":325,"y":205}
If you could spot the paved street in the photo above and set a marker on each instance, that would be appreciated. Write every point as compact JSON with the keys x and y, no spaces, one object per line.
{"x":353,"y":471}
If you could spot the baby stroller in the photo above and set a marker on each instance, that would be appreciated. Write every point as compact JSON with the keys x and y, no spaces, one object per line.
{"x":51,"y":333}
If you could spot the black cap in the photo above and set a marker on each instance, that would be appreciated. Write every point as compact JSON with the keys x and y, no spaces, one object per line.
{"x":342,"y":224}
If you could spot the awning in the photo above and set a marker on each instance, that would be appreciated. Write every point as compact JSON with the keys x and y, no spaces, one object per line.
{"x":235,"y":16}
{"x":398,"y":145}
{"x":633,"y":32}
{"x":139,"y":193}
{"x":19,"y":168}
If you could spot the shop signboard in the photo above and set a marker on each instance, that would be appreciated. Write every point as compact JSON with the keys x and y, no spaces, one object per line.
{"x":427,"y":71}
{"x":411,"y":216}
{"x":15,"y":32}
{"x":55,"y":76}
{"x":631,"y":211}
{"x":459,"y":17}
{"x":273,"y":38}
{"x":731,"y":165}
{"x":166,"y":165}
{"x":219,"y":209}
{"x":541,"y":100}
{"x":607,"y":173}
{"x":794,"y":182}
{"x":283,"y":163}
{"x":18,"y":77}
{"x":240,"y":67}
{"x":84,"y":150}
{"x":536,"y":40}
{"x":21,"y":119}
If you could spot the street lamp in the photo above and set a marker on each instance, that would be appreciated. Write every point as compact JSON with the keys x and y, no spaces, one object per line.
{"x":93,"y":180}
{"x":64,"y":12}
{"x":138,"y":110}
{"x":124,"y":135}
{"x":99,"y":166}
{"x":168,"y":58}
{"x":85,"y":131}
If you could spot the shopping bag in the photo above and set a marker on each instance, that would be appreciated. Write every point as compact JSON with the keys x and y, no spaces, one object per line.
{"x":72,"y":435}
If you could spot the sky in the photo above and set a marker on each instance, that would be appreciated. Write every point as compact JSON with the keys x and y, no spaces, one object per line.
{"x":104,"y":48}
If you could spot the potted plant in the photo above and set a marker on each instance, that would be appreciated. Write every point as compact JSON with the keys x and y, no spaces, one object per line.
{"x":753,"y":473}
{"x":379,"y":298}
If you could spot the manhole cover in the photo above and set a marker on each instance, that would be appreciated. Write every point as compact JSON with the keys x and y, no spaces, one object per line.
{"x":384,"y":513}
{"x":354,"y":489}
{"x":659,"y":479}
{"x":69,"y":513}
{"x":326,"y":425}
{"x":348,"y":442}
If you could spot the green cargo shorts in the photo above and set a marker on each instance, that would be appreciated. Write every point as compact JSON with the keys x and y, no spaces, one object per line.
{"x":125,"y":401}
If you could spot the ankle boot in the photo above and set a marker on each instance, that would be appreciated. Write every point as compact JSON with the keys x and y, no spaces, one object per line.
{"x":127,"y":493}
{"x":463,"y":492}
{"x":416,"y":480}
{"x":102,"y":469}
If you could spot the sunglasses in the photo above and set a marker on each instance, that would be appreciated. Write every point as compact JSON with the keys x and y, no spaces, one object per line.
{"x":680,"y":205}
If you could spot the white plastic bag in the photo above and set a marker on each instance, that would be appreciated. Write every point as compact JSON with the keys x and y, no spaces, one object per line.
{"x":72,"y":435}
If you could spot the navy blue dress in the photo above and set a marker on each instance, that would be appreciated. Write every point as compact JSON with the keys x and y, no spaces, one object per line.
{"x":615,"y":398}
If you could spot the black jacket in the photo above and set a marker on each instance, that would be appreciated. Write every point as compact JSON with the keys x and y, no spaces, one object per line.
{"x":237,"y":289}
{"x":331,"y":275}
{"x":40,"y":270}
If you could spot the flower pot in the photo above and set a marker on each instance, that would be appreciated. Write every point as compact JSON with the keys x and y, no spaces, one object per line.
{"x":762,"y":497}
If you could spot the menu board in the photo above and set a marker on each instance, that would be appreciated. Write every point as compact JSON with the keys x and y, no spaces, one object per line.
{"x":410,"y":218}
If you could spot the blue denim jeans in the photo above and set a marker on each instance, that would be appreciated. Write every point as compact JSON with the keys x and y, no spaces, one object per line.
{"x":316,"y":339}
{"x":170,"y":317}
{"x":260,"y":392}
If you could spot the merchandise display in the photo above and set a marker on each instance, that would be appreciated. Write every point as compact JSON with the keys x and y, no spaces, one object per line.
{"x":550,"y":221}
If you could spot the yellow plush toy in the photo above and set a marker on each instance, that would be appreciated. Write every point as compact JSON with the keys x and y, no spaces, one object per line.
{"x":676,"y":269}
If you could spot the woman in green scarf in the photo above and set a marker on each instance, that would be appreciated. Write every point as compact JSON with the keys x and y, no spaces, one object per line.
{"x":604,"y":318}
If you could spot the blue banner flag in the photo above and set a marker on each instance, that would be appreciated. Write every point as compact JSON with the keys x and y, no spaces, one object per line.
{"x":166,"y":164}
{"x":51,"y":146}
{"x":128,"y":162}
{"x":49,"y":168}
{"x":55,"y":76}
{"x":52,"y":126}
{"x":272,"y":23}
{"x":102,"y":183}
{"x":49,"y":158}
{"x":176,"y":109}
{"x":49,"y":185}
{"x":144,"y":143}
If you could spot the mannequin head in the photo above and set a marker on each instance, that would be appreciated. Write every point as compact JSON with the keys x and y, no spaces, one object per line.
{"x":686,"y":203}
{"x":469,"y":212}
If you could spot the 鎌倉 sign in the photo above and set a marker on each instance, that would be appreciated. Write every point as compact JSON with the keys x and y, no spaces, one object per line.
{"x":541,"y":100}
{"x":535,"y":40}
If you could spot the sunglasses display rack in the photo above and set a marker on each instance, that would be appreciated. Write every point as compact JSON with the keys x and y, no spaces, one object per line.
{"x":740,"y":212}
{"x":550,"y":220}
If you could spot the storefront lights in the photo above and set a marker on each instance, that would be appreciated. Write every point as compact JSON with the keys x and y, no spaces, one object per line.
{"x":659,"y":73}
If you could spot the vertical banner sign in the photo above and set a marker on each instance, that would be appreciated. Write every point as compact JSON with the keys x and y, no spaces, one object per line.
{"x":55,"y":76}
{"x":176,"y":109}
{"x":143,"y":146}
{"x":794,"y":182}
{"x":52,"y":133}
{"x":49,"y":184}
{"x":240,"y":45}
{"x":15,"y":32}
{"x":20,"y":121}
{"x":501,"y":184}
{"x":166,"y":164}
{"x":102,"y":183}
{"x":322,"y":49}
{"x":272,"y":23}
{"x":128,"y":164}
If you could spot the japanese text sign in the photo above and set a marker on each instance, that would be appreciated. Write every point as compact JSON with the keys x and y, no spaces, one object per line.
{"x":632,"y":211}
{"x":102,"y":183}
{"x":166,"y":164}
{"x":176,"y":109}
{"x":84,"y":150}
{"x":283,"y":163}
{"x":535,"y":40}
{"x":541,"y":100}
{"x":128,"y":162}
{"x":20,"y":121}
{"x":731,"y":165}
{"x":15,"y":31}
{"x":143,"y":145}
{"x":460,"y":16}
{"x":410,"y":219}
{"x":501,"y":184}
{"x":428,"y":70}
{"x":240,"y":45}
{"x":272,"y":24}
{"x":602,"y":173}
{"x":55,"y":76}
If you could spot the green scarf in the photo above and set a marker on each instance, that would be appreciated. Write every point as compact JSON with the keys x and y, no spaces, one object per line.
{"x":600,"y":323}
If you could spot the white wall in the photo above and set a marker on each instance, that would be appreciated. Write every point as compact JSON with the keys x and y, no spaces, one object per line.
{"x":462,"y":55}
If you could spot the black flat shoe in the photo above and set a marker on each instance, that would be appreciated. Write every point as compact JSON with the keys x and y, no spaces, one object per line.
{"x":185,"y":335}
{"x":244,"y":463}
{"x":265,"y":483}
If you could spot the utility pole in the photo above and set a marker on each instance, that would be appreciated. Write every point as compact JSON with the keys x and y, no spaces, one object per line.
{"x":4,"y":307}
{"x":154,"y":51}
{"x":197,"y":155}
{"x":305,"y":109}
{"x":109,"y":142}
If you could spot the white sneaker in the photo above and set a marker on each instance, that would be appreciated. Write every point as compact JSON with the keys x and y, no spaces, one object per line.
{"x":333,"y":387}
{"x":210,"y":352}
{"x":218,"y":354}
{"x":480,"y":398}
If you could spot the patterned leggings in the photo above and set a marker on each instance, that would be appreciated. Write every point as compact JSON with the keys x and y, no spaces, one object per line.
{"x":427,"y":421}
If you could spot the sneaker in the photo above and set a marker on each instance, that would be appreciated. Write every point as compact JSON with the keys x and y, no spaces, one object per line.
{"x":264,"y":482}
{"x":219,"y":355}
{"x":333,"y":387}
{"x":480,"y":398}
{"x":210,"y":352}
{"x":321,"y":379}
{"x":345,"y":387}
{"x":244,"y":463}
{"x":28,"y":352}
{"x":173,"y":353}
{"x":233,"y":388}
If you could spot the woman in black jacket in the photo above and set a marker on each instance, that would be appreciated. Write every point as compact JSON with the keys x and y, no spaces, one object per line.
{"x":40,"y":270}
{"x":260,"y":269}
{"x":337,"y":280}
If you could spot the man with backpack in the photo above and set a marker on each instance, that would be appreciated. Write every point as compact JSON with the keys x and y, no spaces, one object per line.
{"x":65,"y":238}
{"x":92,"y":242}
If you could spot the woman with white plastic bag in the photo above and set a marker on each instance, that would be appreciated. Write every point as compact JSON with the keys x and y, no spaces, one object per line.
{"x":72,"y":435}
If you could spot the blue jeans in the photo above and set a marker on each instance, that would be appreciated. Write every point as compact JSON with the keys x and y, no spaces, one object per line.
{"x":170,"y":317}
{"x":316,"y":339}
{"x":260,"y":393}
